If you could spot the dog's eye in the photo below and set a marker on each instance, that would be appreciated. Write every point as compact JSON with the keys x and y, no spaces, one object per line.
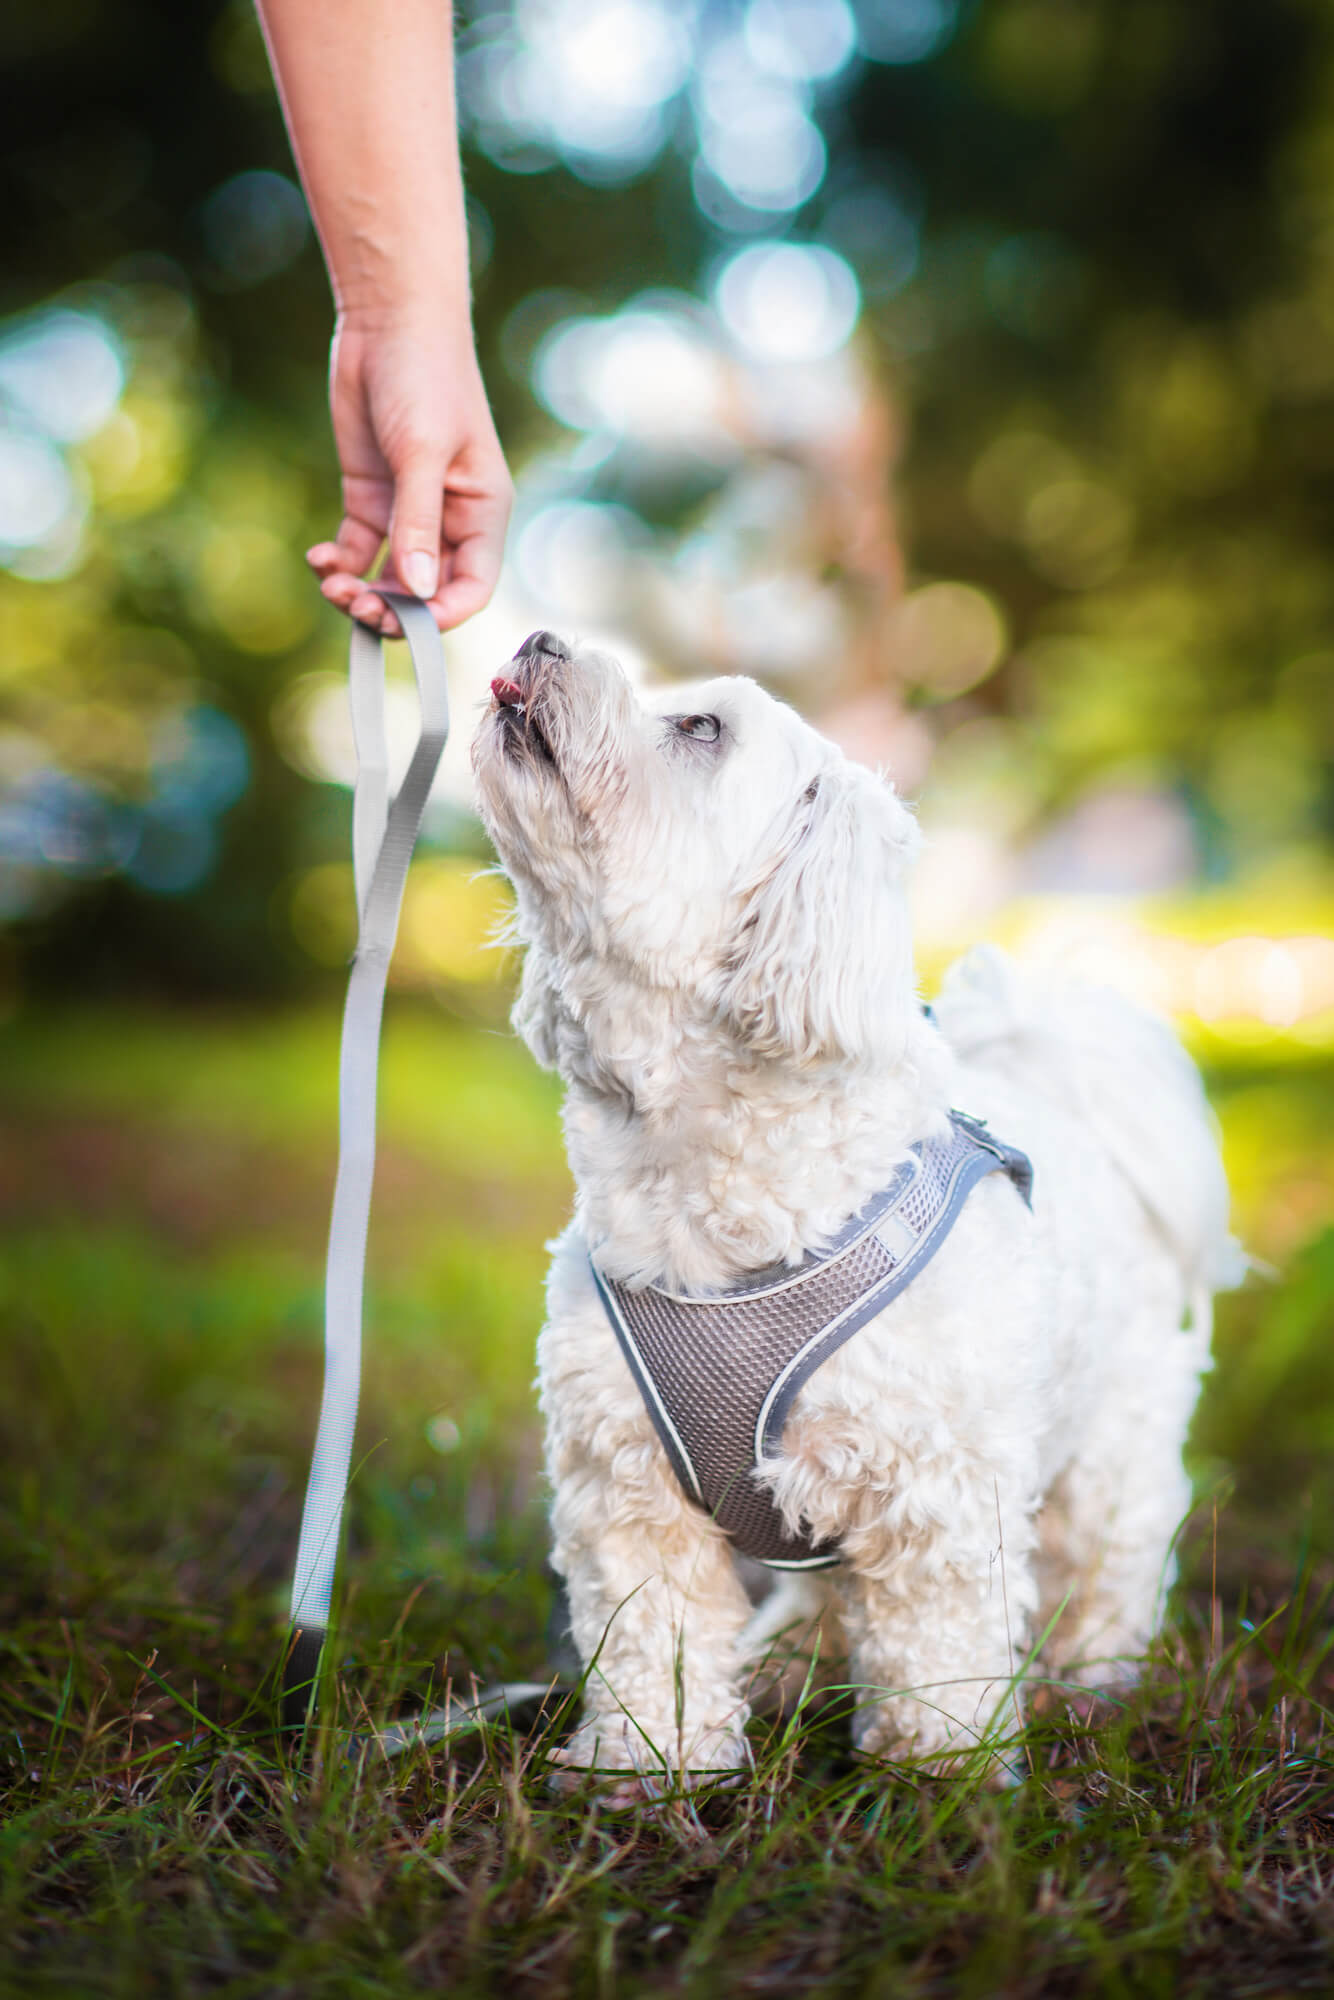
{"x":811,"y":791}
{"x":704,"y":727}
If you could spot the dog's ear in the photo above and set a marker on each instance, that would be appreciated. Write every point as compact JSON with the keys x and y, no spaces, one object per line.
{"x":821,"y":970}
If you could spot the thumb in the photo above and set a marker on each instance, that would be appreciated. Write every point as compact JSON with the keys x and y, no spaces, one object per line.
{"x":414,"y":531}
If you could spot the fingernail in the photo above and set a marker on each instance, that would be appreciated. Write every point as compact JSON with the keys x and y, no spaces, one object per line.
{"x":419,"y":573}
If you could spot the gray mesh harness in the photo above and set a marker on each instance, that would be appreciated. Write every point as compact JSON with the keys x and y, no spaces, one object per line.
{"x":719,"y":1372}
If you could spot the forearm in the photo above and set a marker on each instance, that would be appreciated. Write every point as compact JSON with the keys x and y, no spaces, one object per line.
{"x":372,"y":121}
{"x":367,"y":88}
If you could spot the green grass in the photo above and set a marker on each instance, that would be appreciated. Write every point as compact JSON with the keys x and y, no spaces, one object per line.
{"x":165,"y":1183}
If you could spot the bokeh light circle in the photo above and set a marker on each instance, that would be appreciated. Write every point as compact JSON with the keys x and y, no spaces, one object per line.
{"x":645,"y":372}
{"x":36,"y":492}
{"x":803,"y":39}
{"x":765,"y":148}
{"x":788,"y":301}
{"x":62,"y":373}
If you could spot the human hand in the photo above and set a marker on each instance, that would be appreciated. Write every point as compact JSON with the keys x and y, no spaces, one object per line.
{"x":420,"y":463}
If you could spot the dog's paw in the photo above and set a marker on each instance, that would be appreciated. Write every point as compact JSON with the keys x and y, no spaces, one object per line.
{"x":995,"y":1770}
{"x":924,"y":1744}
{"x":1099,"y":1677}
{"x":630,"y":1765}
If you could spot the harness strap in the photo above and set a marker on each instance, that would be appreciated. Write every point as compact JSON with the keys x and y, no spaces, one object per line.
{"x":383,"y":837}
{"x":719,"y":1371}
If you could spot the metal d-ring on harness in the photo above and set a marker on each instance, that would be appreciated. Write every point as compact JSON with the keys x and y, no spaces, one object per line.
{"x":383,"y":837}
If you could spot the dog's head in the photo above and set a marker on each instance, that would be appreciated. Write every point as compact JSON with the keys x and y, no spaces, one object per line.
{"x":704,"y":842}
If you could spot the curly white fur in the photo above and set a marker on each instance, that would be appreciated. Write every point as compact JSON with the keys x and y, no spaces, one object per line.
{"x":719,"y":964}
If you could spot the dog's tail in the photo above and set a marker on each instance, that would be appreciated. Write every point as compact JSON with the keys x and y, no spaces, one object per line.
{"x":1132,"y":1081}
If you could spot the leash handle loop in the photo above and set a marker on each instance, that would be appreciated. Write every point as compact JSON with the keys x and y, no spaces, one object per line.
{"x":383,"y":837}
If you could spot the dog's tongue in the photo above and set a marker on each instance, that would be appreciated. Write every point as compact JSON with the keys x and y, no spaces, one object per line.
{"x":507,"y":692}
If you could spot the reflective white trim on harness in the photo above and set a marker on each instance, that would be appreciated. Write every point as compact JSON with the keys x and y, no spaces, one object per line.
{"x":719,"y":1371}
{"x":873,"y":1217}
{"x":648,"y":1388}
{"x":910,"y":1253}
{"x":383,"y":837}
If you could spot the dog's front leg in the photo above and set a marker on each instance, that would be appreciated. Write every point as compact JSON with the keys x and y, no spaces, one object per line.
{"x":938,"y":1624}
{"x":657,"y":1614}
{"x":657,"y":1610}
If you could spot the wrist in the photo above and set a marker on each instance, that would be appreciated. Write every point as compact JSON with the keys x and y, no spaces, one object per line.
{"x":431,"y":319}
{"x":395,"y":269}
{"x":435,"y":313}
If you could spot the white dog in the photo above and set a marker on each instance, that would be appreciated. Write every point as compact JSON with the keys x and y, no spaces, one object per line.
{"x":719,"y":964}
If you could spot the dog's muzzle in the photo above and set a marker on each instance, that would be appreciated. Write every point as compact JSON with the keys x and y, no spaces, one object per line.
{"x":517,"y":695}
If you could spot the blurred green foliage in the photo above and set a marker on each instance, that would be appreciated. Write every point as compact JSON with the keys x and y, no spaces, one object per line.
{"x":1110,"y":336}
{"x":1107,"y":328}
{"x":165,"y":1181}
{"x":1095,"y":247}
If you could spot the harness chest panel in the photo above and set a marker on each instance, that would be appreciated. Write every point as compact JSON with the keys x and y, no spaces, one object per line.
{"x":719,"y":1372}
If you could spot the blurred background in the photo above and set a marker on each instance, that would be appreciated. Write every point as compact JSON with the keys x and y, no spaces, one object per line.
{"x":963,"y":369}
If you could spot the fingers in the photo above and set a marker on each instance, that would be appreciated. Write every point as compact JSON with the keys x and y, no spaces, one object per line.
{"x":476,"y":528}
{"x":414,"y":532}
{"x":467,"y":589}
{"x":360,"y":532}
{"x":459,"y":536}
{"x":341,"y":566}
{"x":474,"y":536}
{"x":346,"y":590}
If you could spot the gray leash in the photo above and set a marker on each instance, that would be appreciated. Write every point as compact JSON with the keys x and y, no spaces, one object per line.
{"x":383,"y":837}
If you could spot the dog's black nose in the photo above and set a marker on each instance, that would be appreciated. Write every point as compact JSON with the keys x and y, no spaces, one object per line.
{"x":543,"y":642}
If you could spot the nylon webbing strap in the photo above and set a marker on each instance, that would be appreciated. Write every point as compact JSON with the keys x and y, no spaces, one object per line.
{"x":383,"y":837}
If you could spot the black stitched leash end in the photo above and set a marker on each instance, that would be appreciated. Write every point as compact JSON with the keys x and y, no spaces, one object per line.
{"x":301,"y":1668}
